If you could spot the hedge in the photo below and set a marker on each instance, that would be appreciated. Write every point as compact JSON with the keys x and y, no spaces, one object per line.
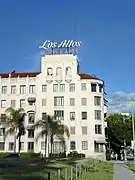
{"x":75,"y":154}
{"x":22,"y":154}
{"x":57,"y":155}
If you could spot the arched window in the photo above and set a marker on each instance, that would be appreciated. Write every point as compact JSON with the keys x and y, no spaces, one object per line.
{"x":68,"y":70}
{"x":58,"y":71}
{"x":49,"y":71}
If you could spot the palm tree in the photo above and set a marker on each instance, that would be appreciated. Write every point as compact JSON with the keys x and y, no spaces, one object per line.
{"x":15,"y":125}
{"x":50,"y":128}
{"x":57,"y":129}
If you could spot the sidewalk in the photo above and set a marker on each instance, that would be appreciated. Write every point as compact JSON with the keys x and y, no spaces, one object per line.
{"x":122,"y":173}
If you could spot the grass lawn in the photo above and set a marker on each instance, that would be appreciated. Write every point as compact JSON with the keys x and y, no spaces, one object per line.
{"x":102,"y":171}
{"x":132,"y":167}
{"x":38,"y":170}
{"x":34,"y":169}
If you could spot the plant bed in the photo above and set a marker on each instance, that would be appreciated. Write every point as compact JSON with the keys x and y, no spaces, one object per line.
{"x":131,"y":167}
{"x":100,"y":171}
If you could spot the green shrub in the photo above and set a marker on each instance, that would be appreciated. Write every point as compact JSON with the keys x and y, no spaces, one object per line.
{"x":30,"y":155}
{"x":75,"y":154}
{"x":2,"y":154}
{"x":57,"y":155}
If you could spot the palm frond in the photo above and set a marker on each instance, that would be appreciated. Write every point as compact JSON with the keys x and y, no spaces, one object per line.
{"x":38,"y":124}
{"x":40,"y":134}
{"x":10,"y":131}
{"x":9,"y":110}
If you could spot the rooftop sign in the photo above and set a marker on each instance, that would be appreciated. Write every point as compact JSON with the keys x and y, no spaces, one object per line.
{"x":63,"y":44}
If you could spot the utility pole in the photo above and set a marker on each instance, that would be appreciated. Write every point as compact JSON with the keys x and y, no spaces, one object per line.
{"x":133,"y":126}
{"x":125,"y":153}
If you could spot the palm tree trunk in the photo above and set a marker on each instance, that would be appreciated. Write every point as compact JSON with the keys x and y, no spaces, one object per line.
{"x":15,"y":137}
{"x":45,"y":145}
{"x":48,"y":145}
{"x":51,"y":144}
{"x":15,"y":144}
{"x":19,"y":144}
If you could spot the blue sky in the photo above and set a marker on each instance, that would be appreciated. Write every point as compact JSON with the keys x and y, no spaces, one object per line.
{"x":106,"y":29}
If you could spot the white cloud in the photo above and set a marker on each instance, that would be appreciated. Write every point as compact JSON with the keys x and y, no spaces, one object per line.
{"x":120,"y":102}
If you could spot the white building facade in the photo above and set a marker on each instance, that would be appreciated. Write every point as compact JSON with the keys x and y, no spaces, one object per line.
{"x":59,"y":89}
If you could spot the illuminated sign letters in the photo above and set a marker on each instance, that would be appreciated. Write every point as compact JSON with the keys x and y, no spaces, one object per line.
{"x":63,"y":44}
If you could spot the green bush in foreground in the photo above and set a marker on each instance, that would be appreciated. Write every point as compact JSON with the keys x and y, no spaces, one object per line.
{"x":23,"y":154}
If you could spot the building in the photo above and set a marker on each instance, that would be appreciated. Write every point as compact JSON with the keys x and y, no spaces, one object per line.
{"x":59,"y":89}
{"x":125,"y":114}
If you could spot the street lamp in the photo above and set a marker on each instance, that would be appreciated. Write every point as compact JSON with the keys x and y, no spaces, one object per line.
{"x":133,"y":127}
{"x":125,"y":153}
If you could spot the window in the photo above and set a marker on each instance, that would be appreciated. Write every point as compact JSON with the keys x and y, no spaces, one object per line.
{"x":13,"y":103}
{"x":72,"y":130}
{"x":83,"y":86}
{"x":13,"y":89}
{"x":93,"y":87}
{"x":97,"y":115}
{"x":72,"y":101}
{"x":22,"y":89}
{"x":43,"y":116}
{"x":55,"y":88}
{"x":31,"y":117}
{"x":22,"y":103}
{"x":32,"y":89}
{"x":59,"y":115}
{"x":4,"y":89}
{"x":58,"y":147}
{"x":62,"y":87}
{"x":31,"y":102}
{"x":21,"y":146}
{"x":59,"y":101}
{"x":72,"y":145}
{"x":42,"y":145}
{"x":84,"y":101}
{"x":30,"y":133}
{"x":43,"y":102}
{"x":2,"y":131}
{"x":72,"y":116}
{"x":98,"y":129}
{"x":84,"y":145}
{"x":30,"y":146}
{"x":11,"y":146}
{"x":84,"y":115}
{"x":97,"y":101}
{"x":58,"y":71}
{"x":100,"y":88}
{"x":2,"y":146}
{"x":72,"y":87}
{"x":44,"y":88}
{"x":84,"y":129}
{"x":49,"y":71}
{"x":3,"y":117}
{"x":3,"y":103}
{"x":98,"y":148}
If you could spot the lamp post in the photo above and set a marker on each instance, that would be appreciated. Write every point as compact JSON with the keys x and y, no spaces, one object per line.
{"x":133,"y":127}
{"x":125,"y":153}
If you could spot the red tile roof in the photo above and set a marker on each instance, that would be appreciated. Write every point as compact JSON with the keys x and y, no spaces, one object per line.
{"x":34,"y":74}
{"x":87,"y":76}
{"x":15,"y":75}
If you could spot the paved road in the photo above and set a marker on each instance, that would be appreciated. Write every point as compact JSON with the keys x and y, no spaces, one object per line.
{"x":122,"y":173}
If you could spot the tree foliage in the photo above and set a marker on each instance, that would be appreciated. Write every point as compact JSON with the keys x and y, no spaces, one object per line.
{"x":51,"y":128}
{"x":119,"y":128}
{"x":15,"y":124}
